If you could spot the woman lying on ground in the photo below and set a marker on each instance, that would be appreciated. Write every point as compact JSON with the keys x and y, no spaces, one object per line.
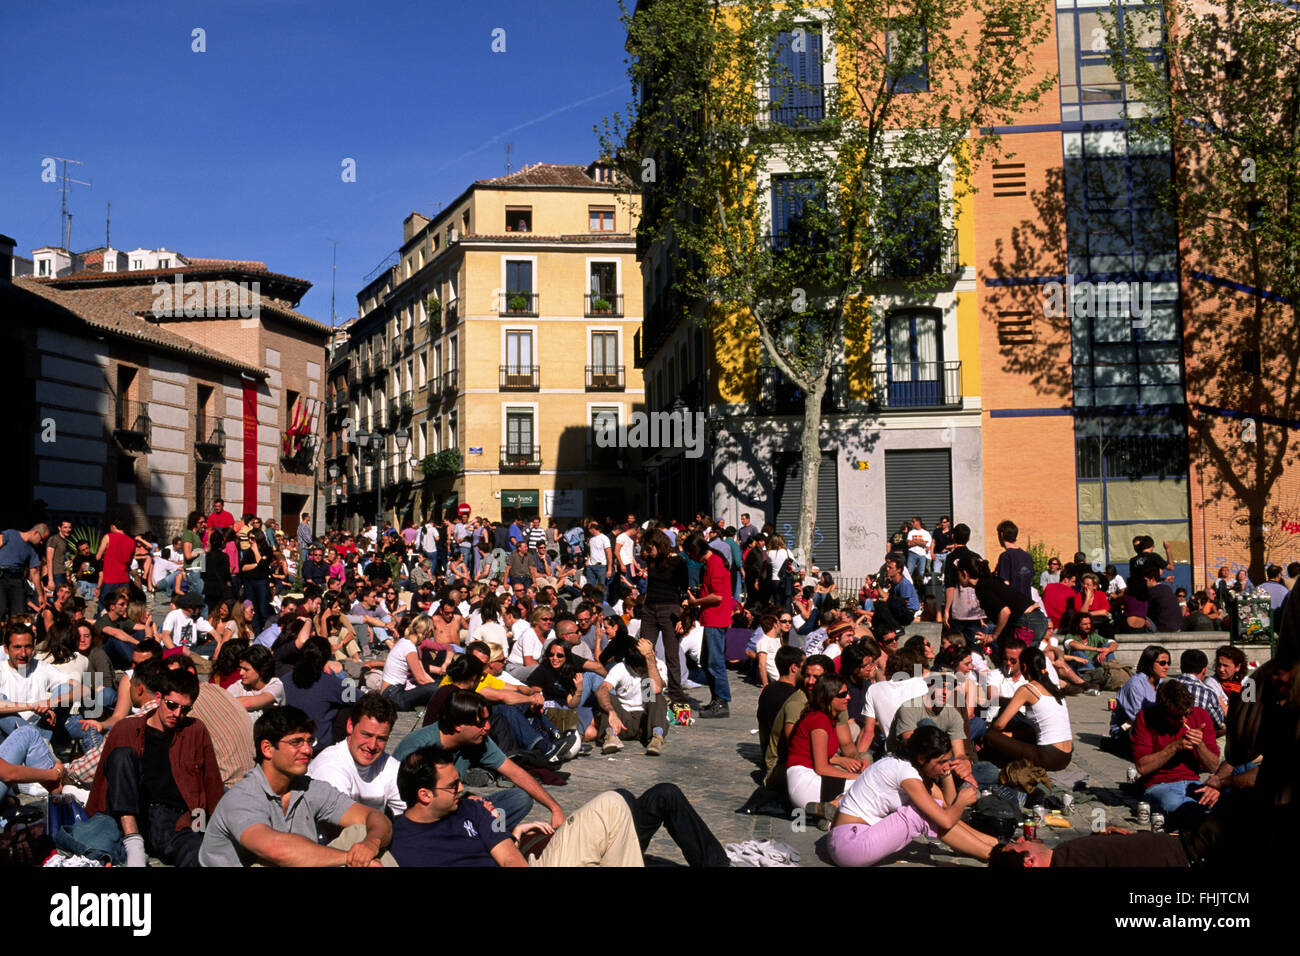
{"x":903,"y":796}
{"x":1044,"y":706}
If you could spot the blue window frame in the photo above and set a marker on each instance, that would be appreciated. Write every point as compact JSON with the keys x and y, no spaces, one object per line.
{"x":907,"y":43}
{"x":797,"y":95}
{"x":792,"y":197}
{"x":911,"y":230}
{"x":914,"y":351}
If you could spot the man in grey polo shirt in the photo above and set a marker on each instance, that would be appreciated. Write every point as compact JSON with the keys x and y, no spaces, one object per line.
{"x":271,"y":816}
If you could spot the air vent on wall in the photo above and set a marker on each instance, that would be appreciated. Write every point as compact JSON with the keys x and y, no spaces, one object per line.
{"x":1009,"y":179}
{"x":1015,"y":328}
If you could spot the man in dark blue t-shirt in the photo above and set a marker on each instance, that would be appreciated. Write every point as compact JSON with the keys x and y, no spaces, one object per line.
{"x":20,"y":553}
{"x":1015,"y":565}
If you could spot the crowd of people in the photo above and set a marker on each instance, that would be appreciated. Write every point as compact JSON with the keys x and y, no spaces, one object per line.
{"x":252,"y":725}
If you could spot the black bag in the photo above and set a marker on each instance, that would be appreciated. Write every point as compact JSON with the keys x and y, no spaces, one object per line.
{"x":25,"y":843}
{"x":995,"y":816}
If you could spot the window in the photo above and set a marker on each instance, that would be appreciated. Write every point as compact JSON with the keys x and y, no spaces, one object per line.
{"x":911,"y":226}
{"x":453,"y":439}
{"x":796,"y":94}
{"x":604,"y":279}
{"x":794,"y":202}
{"x":125,"y":469}
{"x":518,"y":372}
{"x":603,"y":421}
{"x":424,"y":370}
{"x":137,"y":263}
{"x":519,"y":276}
{"x":915,"y":350}
{"x":44,"y":267}
{"x":600,"y":218}
{"x":604,"y":352}
{"x":519,"y":436}
{"x":164,"y":263}
{"x":906,"y":50}
{"x":519,"y":218}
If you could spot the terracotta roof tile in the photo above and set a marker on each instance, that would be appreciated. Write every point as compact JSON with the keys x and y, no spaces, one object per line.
{"x":547,"y":174}
{"x":118,"y":311}
{"x":539,"y":237}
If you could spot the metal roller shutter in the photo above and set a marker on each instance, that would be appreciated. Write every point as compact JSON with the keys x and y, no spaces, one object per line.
{"x":789,"y":488}
{"x":918,"y":481}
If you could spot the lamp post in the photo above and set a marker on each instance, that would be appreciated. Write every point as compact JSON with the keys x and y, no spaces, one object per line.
{"x":333,"y":472}
{"x":401,"y":438}
{"x":372,"y":443}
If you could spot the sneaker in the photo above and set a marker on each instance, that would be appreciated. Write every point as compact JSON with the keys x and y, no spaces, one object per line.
{"x":655,"y":747}
{"x":612,"y":744}
{"x":719,"y":708}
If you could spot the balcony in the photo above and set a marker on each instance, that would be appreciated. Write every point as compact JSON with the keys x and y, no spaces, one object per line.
{"x":520,"y":378}
{"x":404,"y":409}
{"x":354,"y":372}
{"x":933,"y":259}
{"x":450,"y":382}
{"x":605,"y":378}
{"x":408,"y":339}
{"x":597,"y":304}
{"x":800,"y":105}
{"x":521,"y":457}
{"x":131,"y":423}
{"x":916,"y":385}
{"x":209,"y":439}
{"x":518,"y":303}
{"x":598,"y":457}
{"x":779,"y":397}
{"x":638,"y":353}
{"x":450,"y":313}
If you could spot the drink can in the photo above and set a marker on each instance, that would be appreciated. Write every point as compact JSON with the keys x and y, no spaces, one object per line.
{"x":1067,"y":799}
{"x":1040,"y":815}
{"x":1157,"y":821}
{"x":986,"y":792}
{"x":1110,"y":704}
{"x":1131,"y":774}
{"x":1031,"y":831}
{"x":1144,"y":812}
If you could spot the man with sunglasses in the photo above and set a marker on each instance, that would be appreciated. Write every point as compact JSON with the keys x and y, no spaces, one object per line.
{"x":159,"y":776}
{"x":273,"y":816}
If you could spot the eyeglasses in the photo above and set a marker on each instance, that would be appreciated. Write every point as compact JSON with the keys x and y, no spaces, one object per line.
{"x":299,"y":743}
{"x":456,"y":787}
{"x":177,"y":705}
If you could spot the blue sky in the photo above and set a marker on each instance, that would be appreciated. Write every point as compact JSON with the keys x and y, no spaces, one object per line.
{"x":236,"y":152}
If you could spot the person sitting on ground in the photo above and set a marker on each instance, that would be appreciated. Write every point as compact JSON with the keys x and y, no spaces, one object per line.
{"x":1229,"y":671}
{"x":815,"y":770}
{"x":778,"y":744}
{"x":1005,"y":607}
{"x":789,"y":662}
{"x":1044,"y":704}
{"x":903,"y":796}
{"x":32,"y":692}
{"x":441,"y":829}
{"x":558,"y":678}
{"x":936,"y":708}
{"x":1163,"y":612}
{"x":768,"y":644}
{"x":632,"y":702}
{"x":1173,"y":744}
{"x":906,"y":669}
{"x":1203,"y":614}
{"x":25,"y":758}
{"x":314,"y":690}
{"x":405,"y":681}
{"x":858,"y":665}
{"x":526,"y":653}
{"x":958,"y":659}
{"x":257,"y":687}
{"x":273,"y":815}
{"x":463,"y":728}
{"x":357,"y":766}
{"x":901,"y":605}
{"x":1192,"y":667}
{"x":1085,"y":648}
{"x":158,"y":777}
{"x":1137,"y":692}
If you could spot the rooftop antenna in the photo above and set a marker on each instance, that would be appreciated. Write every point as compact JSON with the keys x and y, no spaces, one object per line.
{"x":65,"y":216}
{"x":108,"y":215}
{"x":334,"y":274}
{"x":509,"y":147}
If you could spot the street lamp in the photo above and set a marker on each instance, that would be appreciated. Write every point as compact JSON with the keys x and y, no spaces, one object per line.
{"x":372,"y":442}
{"x":401,"y":438}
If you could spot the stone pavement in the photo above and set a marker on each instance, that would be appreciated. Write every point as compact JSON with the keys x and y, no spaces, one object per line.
{"x":715,"y":761}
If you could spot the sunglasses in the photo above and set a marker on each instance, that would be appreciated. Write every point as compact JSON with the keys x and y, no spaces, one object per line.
{"x":456,"y":787}
{"x":177,"y":705}
{"x":842,"y":695}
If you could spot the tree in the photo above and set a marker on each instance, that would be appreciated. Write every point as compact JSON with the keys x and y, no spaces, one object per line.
{"x":1220,"y":87}
{"x":878,"y":157}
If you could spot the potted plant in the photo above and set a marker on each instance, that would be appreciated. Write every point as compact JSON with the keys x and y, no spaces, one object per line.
{"x":433,"y":309}
{"x":517,"y":303}
{"x":442,"y":462}
{"x":601,"y":305}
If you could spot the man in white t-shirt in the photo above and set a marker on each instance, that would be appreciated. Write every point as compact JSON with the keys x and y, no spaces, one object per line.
{"x":182,"y":625}
{"x":597,"y":557}
{"x":767,"y":647}
{"x":357,"y":766}
{"x":428,"y":541}
{"x":31,"y":691}
{"x":906,"y":682}
{"x":920,"y":550}
{"x":257,"y":687}
{"x":625,"y":556}
{"x":632,"y":702}
{"x":526,"y":653}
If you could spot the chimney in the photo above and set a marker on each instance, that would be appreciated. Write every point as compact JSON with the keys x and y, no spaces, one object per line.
{"x":6,"y":259}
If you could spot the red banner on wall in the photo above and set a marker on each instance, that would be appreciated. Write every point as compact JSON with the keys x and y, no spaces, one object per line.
{"x":250,"y":448}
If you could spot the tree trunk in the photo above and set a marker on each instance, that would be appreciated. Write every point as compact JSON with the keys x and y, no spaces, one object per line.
{"x":810,"y":449}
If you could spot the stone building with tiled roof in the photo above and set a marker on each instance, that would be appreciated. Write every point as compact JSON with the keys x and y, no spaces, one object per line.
{"x":158,"y":384}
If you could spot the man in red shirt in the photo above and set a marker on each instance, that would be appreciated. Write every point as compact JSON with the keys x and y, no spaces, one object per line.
{"x":116,"y":551}
{"x":1173,"y":744}
{"x":1061,"y":596}
{"x":715,"y":605}
{"x":220,"y":518}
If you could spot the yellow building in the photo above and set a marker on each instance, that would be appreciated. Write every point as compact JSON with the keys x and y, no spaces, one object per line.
{"x":480,"y":360}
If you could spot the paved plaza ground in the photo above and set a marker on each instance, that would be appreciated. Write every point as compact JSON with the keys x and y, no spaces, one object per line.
{"x":715,"y":761}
